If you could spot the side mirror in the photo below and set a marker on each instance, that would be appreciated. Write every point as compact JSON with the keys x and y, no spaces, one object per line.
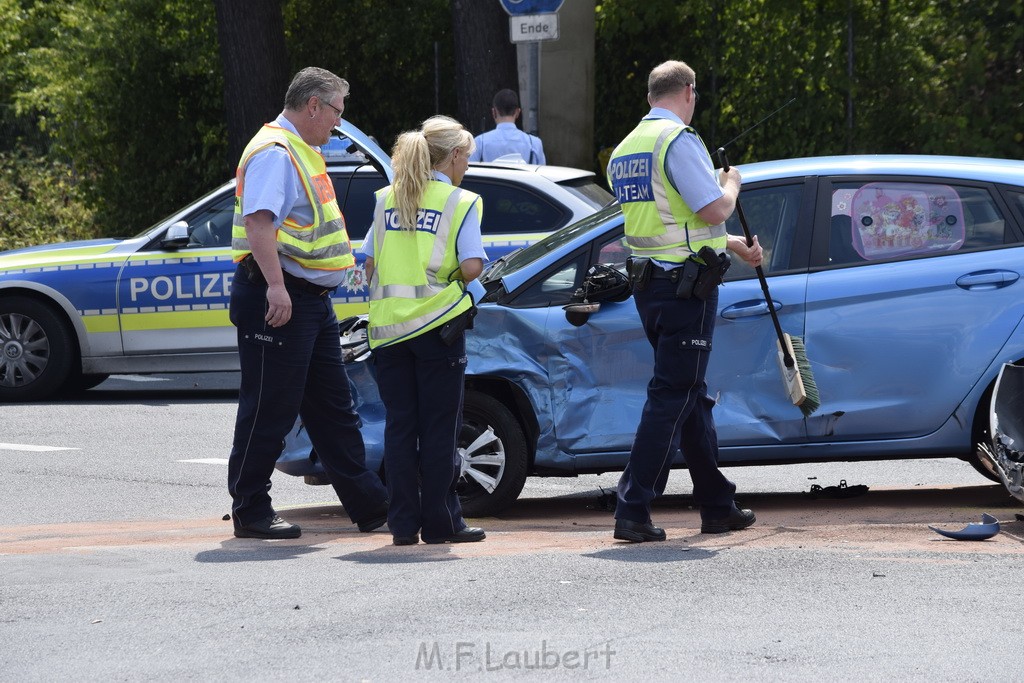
{"x":176,"y":236}
{"x":579,"y":314}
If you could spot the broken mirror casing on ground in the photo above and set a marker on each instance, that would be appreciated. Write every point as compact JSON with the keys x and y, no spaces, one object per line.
{"x":1007,"y":425}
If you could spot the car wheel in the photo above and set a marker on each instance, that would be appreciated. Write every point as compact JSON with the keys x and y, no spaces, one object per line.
{"x":981,"y":454}
{"x":36,"y":350}
{"x":492,"y":449}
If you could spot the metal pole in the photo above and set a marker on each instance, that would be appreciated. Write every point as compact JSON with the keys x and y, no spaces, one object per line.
{"x":533,"y":85}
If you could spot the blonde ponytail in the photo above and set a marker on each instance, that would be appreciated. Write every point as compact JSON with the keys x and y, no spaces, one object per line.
{"x":416,"y":154}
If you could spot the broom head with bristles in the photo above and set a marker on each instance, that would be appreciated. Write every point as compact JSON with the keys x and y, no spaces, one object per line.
{"x":799,"y":381}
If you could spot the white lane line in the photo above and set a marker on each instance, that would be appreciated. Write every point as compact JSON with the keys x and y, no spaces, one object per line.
{"x":208,"y":461}
{"x":140,"y":378}
{"x":31,"y":447}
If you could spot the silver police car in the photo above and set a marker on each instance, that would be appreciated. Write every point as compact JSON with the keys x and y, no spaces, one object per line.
{"x":72,"y":314}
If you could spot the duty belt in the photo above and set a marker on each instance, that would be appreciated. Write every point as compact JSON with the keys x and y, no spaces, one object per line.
{"x":290,"y":281}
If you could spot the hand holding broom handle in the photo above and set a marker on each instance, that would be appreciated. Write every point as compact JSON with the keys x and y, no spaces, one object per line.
{"x":787,"y":357}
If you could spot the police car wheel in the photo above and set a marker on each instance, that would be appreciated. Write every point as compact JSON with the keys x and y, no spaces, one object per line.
{"x":36,"y":349}
{"x":492,"y":450}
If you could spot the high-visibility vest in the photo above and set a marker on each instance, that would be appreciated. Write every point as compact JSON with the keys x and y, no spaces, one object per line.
{"x":659,"y":223}
{"x":324,"y":243}
{"x":412,"y":289}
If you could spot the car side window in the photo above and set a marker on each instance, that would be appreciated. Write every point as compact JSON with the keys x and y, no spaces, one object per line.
{"x":771,"y":214}
{"x":513,"y":208}
{"x":881,"y":220}
{"x":211,"y":227}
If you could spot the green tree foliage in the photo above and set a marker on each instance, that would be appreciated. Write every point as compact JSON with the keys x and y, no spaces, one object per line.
{"x":120,"y":102}
{"x":40,"y":201}
{"x":926,"y":76}
{"x":386,"y":51}
{"x":129,"y":94}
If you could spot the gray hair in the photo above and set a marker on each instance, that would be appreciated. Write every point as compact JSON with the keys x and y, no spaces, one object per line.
{"x":313,"y":82}
{"x":668,"y":78}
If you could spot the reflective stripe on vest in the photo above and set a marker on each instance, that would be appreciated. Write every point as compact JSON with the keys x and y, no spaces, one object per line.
{"x":659,"y":223}
{"x":322,"y":245}
{"x":402,"y":305}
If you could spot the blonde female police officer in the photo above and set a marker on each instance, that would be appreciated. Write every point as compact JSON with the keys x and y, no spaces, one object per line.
{"x":424,"y":248}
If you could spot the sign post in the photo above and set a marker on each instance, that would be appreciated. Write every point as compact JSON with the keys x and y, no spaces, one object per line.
{"x":531,"y":21}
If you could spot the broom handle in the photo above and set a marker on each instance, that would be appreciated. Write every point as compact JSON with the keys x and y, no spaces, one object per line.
{"x":787,"y":359}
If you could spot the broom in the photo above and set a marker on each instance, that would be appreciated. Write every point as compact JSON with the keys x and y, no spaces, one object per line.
{"x":796,"y":369}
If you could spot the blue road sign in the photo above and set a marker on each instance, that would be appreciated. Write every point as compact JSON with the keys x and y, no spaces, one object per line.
{"x":517,"y":7}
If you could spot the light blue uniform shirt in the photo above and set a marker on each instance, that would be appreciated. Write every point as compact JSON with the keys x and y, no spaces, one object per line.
{"x":468,"y":244}
{"x":688,"y":160}
{"x":273,"y":184}
{"x":506,"y":138}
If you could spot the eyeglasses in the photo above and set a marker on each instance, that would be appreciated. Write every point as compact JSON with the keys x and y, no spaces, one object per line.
{"x":332,"y":107}
{"x":696,"y":95}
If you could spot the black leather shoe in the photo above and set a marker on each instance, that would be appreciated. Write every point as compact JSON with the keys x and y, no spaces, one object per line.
{"x":637,"y":532}
{"x":271,"y":527}
{"x":374,"y":521}
{"x":470,"y":534}
{"x":411,"y":539}
{"x":737,"y":519}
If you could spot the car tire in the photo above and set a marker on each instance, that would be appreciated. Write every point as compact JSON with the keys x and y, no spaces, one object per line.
{"x":981,"y":443}
{"x":36,"y":350}
{"x":492,"y":448}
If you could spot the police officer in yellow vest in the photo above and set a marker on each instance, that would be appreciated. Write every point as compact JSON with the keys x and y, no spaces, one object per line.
{"x":290,"y":242}
{"x":674,"y":209}
{"x":424,"y":250}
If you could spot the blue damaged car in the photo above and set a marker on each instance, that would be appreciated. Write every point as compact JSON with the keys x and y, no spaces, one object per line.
{"x":901,"y":273}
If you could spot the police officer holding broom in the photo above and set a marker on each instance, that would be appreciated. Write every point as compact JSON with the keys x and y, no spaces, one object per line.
{"x":290,"y":241}
{"x":675,"y":208}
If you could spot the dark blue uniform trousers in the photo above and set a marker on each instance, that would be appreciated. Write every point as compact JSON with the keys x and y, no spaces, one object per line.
{"x":289,"y":371}
{"x":421,"y":384}
{"x":677,"y":413}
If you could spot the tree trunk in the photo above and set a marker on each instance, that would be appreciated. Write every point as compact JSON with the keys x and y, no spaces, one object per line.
{"x":255,"y":63}
{"x":485,"y":60}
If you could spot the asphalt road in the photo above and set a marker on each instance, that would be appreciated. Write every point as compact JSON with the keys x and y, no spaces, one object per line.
{"x":116,"y":564}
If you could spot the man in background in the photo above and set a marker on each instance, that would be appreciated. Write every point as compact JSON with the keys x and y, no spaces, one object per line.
{"x":506,"y":139}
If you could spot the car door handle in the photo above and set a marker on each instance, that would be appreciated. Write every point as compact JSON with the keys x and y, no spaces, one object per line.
{"x":748,"y":309}
{"x":987,"y":279}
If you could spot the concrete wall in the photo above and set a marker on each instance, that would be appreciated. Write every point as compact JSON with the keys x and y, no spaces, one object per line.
{"x":566,"y":93}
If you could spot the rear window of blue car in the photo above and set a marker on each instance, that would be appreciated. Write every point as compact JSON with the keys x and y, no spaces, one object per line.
{"x":889,"y":219}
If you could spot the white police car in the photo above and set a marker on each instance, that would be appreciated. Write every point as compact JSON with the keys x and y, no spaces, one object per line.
{"x":71,"y":314}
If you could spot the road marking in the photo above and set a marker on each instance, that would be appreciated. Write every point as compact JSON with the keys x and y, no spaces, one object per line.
{"x":208,"y":461}
{"x":31,"y":447}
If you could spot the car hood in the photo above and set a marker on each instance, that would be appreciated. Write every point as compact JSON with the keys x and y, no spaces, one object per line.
{"x":51,"y":254}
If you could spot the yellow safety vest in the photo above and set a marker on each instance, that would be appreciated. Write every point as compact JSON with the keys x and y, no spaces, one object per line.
{"x":412,"y":289}
{"x":659,"y":223}
{"x":324,"y":243}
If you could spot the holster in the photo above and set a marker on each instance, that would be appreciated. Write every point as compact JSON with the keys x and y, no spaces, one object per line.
{"x":454,"y":328}
{"x":639,"y":272}
{"x":712,"y":273}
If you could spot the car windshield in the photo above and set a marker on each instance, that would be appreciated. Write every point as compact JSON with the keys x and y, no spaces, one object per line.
{"x":527,"y":255}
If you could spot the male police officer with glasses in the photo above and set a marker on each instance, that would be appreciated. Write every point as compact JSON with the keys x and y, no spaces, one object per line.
{"x":675,"y":208}
{"x":292,"y":248}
